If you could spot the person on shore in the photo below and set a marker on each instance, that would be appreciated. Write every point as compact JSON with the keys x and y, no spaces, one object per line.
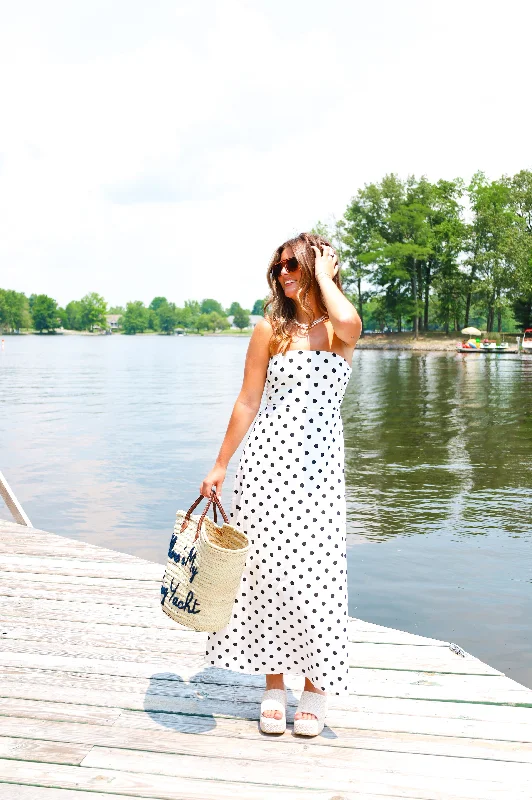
{"x":290,"y":614}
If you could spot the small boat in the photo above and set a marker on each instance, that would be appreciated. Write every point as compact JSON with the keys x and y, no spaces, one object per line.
{"x":526,"y":344}
{"x":474,"y":346}
{"x":487,"y":345}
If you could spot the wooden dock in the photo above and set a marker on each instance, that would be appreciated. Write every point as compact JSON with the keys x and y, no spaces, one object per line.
{"x":103,"y":697}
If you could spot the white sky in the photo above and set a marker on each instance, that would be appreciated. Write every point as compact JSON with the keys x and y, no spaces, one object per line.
{"x":150,"y":147}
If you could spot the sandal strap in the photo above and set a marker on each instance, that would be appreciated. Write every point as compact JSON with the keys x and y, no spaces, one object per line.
{"x":312,"y":703}
{"x":273,"y":700}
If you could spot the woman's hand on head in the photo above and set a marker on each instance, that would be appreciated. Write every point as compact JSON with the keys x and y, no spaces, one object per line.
{"x":325,"y":263}
{"x":214,"y":478}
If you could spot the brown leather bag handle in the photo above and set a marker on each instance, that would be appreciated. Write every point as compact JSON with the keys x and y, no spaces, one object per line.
{"x":214,"y":497}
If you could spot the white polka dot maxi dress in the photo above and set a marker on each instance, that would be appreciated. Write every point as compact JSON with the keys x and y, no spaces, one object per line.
{"x":290,"y":613}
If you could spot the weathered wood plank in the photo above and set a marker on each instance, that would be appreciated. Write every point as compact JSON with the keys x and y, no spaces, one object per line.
{"x":73,"y":582}
{"x":388,"y":635}
{"x":60,"y":547}
{"x":13,"y":607}
{"x":252,"y":745}
{"x":184,"y":666}
{"x":365,"y":655}
{"x":49,"y":751}
{"x":148,"y":722}
{"x":321,"y":773}
{"x":362,"y":654}
{"x":476,"y":721}
{"x":10,"y":526}
{"x":69,"y":566}
{"x":23,"y":608}
{"x":9,"y":498}
{"x":130,"y":635}
{"x":129,"y":693}
{"x":90,"y":676}
{"x":150,"y":598}
{"x":244,"y":793}
{"x":57,"y":711}
{"x":9,"y":791}
{"x":98,"y":594}
{"x":19,"y":539}
{"x":205,"y":788}
{"x":497,"y":690}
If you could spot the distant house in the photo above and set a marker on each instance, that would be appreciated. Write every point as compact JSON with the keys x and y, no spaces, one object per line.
{"x":253,"y":319}
{"x":113,"y":320}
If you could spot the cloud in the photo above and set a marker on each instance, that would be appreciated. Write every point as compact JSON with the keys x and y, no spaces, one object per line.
{"x":129,"y":131}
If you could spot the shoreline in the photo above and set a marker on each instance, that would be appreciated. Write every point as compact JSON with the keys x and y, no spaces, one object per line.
{"x":369,"y":342}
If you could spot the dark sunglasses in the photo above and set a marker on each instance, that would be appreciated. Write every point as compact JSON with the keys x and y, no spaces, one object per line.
{"x":291,"y":265}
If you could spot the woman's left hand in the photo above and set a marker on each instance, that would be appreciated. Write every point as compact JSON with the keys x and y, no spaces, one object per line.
{"x":326,"y":263}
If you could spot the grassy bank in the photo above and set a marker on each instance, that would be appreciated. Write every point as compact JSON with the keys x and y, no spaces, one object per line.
{"x":432,"y":340}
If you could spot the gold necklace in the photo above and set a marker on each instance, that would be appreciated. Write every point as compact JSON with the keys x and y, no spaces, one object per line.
{"x":305,"y":326}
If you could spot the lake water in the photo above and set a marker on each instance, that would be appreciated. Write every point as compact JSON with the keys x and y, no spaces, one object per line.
{"x":104,"y":438}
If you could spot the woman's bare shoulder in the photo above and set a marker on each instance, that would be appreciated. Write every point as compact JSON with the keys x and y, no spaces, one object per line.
{"x":262,"y":333}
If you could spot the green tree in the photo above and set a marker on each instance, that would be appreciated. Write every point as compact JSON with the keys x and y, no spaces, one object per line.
{"x":359,"y":239}
{"x":402,"y":236}
{"x":233,"y":309}
{"x":157,"y":302}
{"x":207,"y":306}
{"x":117,"y":310}
{"x":521,"y":198}
{"x":241,"y":319}
{"x":492,"y":246}
{"x":187,"y":317}
{"x":61,"y":313}
{"x":327,"y":231}
{"x":72,"y":317}
{"x":167,"y":317}
{"x":443,"y":267}
{"x":258,"y":308}
{"x":212,"y":322}
{"x":153,"y":320}
{"x":377,"y":316}
{"x":93,"y":309}
{"x":135,"y":319}
{"x":365,"y":232}
{"x":14,"y":310}
{"x":44,"y":313}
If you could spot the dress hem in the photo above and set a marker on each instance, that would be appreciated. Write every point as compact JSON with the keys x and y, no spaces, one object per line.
{"x":285,"y":671}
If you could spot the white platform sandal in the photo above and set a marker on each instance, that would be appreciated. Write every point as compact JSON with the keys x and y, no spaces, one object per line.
{"x":273,"y":700}
{"x":311,"y":703}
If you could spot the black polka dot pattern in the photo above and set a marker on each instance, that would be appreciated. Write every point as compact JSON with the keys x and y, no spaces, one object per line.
{"x":290,"y":614}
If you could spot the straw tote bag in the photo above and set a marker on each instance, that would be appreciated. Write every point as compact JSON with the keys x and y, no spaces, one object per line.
{"x":204,"y":569}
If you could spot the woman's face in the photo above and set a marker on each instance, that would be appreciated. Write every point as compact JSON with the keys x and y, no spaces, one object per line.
{"x":289,"y":280}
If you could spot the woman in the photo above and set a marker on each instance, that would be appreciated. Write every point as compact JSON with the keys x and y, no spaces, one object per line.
{"x":289,"y":493}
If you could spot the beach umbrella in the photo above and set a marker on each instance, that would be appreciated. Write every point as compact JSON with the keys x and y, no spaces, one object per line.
{"x":472,"y":332}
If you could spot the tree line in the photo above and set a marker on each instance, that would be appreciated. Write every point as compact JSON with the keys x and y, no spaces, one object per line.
{"x":42,"y":313}
{"x":415,"y":255}
{"x":441,"y":255}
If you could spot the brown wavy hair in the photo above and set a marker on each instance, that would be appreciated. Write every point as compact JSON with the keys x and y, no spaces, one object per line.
{"x":282,"y":314}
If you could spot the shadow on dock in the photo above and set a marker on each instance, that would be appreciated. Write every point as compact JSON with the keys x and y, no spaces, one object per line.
{"x":191,"y":706}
